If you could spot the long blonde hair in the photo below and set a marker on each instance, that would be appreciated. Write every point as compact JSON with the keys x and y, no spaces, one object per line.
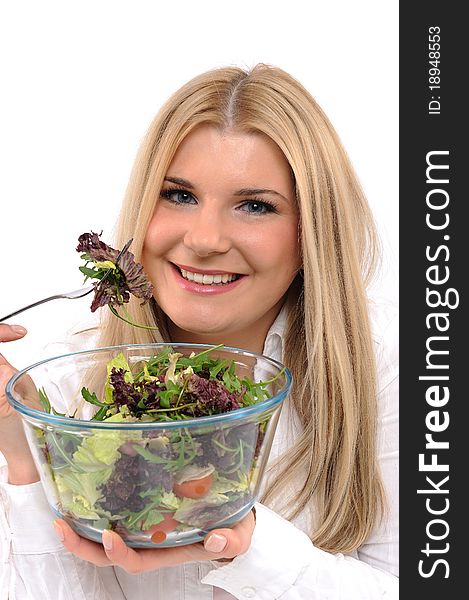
{"x":328,"y":344}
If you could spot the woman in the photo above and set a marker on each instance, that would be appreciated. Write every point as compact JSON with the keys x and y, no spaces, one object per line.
{"x":248,"y":219}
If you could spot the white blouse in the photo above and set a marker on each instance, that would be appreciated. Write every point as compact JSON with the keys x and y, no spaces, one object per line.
{"x":281,"y":562}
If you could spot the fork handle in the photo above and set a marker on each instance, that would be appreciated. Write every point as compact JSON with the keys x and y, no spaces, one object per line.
{"x":17,"y":312}
{"x":57,"y":296}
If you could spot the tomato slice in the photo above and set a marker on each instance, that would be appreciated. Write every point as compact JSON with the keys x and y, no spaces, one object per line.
{"x":158,"y":533}
{"x":194,"y":488}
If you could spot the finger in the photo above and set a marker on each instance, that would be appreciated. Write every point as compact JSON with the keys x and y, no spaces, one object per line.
{"x":25,"y":388}
{"x":228,"y":543}
{"x":118,"y":553}
{"x":85,"y":549}
{"x":140,"y":561}
{"x":9,"y":333}
{"x":6,"y":372}
{"x":137,"y":561}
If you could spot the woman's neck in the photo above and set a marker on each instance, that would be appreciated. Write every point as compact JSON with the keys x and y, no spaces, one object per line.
{"x":251,"y":338}
{"x":244,"y":340}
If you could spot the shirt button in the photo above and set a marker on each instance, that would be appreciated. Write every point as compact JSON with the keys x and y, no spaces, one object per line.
{"x":248,"y":592}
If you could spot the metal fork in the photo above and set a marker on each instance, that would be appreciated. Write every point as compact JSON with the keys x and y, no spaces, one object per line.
{"x":70,"y":295}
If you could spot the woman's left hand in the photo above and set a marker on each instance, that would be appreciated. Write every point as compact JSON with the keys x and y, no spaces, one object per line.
{"x":218,"y":544}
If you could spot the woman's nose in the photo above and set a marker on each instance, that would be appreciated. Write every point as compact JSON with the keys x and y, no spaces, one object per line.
{"x":208,"y":233}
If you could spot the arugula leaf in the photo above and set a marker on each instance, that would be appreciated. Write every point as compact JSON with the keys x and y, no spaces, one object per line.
{"x":92,"y":398}
{"x":89,"y":273}
{"x":44,"y":400}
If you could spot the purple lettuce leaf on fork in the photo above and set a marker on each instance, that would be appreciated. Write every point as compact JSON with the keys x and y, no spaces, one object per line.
{"x":118,"y":274}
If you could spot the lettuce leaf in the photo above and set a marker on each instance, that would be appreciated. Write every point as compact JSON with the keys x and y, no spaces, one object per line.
{"x":79,"y":491}
{"x":98,"y":451}
{"x":154,"y":517}
{"x":224,"y":485}
{"x":222,"y":491}
{"x":101,"y":449}
{"x":189,"y":507}
{"x":170,"y":501}
{"x":118,"y":362}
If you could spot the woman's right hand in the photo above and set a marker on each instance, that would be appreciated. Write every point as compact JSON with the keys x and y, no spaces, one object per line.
{"x":13,"y":444}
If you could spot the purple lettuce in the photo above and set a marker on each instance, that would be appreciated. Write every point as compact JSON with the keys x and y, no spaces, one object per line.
{"x":211,"y":396}
{"x":115,"y":286}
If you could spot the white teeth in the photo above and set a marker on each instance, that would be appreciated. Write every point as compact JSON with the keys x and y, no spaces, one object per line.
{"x":205,"y":279}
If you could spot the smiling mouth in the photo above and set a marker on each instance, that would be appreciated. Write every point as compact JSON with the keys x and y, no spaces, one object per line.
{"x":205,"y":279}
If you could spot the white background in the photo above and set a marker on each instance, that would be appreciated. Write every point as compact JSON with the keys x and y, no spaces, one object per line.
{"x":82,"y":80}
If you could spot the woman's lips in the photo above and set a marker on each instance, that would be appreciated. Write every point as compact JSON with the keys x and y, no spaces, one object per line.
{"x":204,"y":288}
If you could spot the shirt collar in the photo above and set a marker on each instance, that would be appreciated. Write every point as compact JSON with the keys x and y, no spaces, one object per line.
{"x":273,"y":345}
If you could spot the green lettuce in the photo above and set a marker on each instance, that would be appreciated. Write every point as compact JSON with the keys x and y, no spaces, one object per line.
{"x":222,"y":491}
{"x":118,"y":362}
{"x":79,"y":491}
{"x":101,"y":449}
{"x":170,"y":501}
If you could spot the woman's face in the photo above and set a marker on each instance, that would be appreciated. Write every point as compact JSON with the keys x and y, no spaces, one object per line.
{"x":222,"y":246}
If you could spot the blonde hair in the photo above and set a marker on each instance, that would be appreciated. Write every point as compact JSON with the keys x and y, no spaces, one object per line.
{"x":328,"y":344}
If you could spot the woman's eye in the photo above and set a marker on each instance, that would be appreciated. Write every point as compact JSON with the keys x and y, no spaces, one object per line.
{"x":257,"y":207}
{"x":178,"y":196}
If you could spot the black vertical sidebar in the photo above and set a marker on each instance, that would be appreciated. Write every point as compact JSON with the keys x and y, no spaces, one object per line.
{"x":434,"y":335}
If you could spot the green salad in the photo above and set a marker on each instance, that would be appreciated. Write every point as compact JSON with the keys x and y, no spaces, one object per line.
{"x":167,"y":479}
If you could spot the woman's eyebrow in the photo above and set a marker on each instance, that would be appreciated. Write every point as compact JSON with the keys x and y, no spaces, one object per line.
{"x":255,"y":191}
{"x":180,"y":181}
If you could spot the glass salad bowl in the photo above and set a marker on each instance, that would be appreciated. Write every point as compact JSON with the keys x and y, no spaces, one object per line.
{"x":158,"y":442}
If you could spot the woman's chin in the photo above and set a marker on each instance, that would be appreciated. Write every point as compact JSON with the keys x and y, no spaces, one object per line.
{"x":205,"y":332}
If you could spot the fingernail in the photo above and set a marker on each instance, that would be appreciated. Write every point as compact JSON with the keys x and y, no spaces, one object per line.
{"x":59,"y":532}
{"x":215,"y":543}
{"x":107,"y":539}
{"x":19,"y":330}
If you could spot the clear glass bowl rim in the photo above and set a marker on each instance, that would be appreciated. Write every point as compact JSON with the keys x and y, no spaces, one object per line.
{"x":240,"y":413}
